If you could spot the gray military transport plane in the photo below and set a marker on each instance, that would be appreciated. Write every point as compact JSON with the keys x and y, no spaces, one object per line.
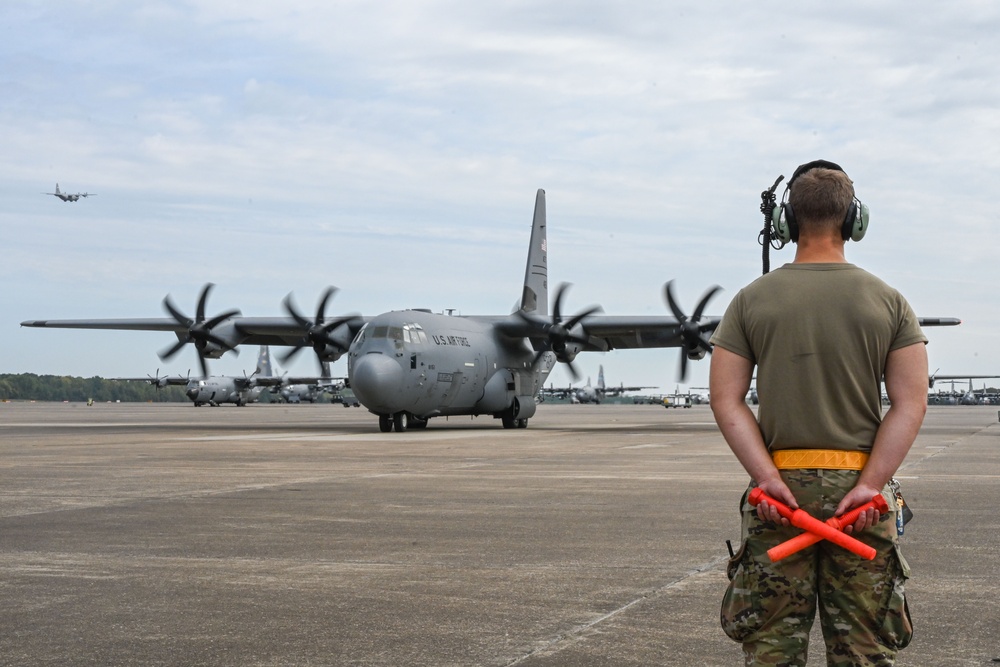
{"x":410,"y":366}
{"x":65,"y":196}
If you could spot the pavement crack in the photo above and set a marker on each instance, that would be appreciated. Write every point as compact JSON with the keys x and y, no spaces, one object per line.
{"x":565,"y":639}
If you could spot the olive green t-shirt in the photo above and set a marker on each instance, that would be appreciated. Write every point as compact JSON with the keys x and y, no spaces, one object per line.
{"x":819,"y":335}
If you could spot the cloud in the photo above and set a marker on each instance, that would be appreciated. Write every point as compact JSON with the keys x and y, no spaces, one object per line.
{"x":279,"y":146}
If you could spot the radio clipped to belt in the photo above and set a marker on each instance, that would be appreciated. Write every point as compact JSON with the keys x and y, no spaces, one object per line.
{"x":905,"y":513}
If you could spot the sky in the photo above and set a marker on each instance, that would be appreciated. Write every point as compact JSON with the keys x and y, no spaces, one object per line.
{"x":393,"y":150}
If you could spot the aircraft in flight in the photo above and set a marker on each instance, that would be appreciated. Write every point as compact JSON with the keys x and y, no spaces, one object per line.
{"x":65,"y":196}
{"x":587,"y":393}
{"x":410,"y":366}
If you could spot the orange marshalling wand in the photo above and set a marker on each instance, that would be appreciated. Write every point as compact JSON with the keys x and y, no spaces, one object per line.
{"x":807,"y":539}
{"x":802,"y":519}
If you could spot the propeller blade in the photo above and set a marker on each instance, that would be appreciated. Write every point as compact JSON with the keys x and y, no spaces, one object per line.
{"x":176,"y":313}
{"x":704,"y":302}
{"x":215,"y":321}
{"x":172,"y":350}
{"x":321,"y":308}
{"x":691,"y":330}
{"x":200,"y":316}
{"x":288,"y":356}
{"x":289,"y":303}
{"x":580,"y":316}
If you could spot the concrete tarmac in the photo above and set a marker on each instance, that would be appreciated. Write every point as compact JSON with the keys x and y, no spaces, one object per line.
{"x":162,"y":534}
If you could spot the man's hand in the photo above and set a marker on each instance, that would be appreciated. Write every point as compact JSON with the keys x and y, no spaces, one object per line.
{"x":776,"y":488}
{"x":857,"y":496}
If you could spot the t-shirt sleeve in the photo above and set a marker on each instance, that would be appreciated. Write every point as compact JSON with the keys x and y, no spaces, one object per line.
{"x":908,"y":331}
{"x":731,"y":333}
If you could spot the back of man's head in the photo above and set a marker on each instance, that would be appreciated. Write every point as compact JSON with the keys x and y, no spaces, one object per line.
{"x":821,"y":197}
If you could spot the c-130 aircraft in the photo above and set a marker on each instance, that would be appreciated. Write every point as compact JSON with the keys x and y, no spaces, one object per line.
{"x":410,"y":366}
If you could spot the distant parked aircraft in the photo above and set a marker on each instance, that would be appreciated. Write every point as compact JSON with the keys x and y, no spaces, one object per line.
{"x":587,"y":393}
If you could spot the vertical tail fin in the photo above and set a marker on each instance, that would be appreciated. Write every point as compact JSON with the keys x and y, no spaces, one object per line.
{"x":535,"y":296}
{"x":264,"y":368}
{"x":600,"y":377}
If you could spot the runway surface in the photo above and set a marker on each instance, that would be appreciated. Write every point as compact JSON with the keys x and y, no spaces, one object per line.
{"x":162,"y":534}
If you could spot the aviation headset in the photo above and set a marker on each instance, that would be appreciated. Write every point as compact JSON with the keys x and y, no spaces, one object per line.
{"x":786,"y":228}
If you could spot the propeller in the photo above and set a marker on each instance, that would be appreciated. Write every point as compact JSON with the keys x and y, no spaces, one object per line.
{"x":199,"y":330}
{"x":156,"y":380}
{"x":317,"y":331}
{"x":557,"y":332}
{"x":691,"y":329}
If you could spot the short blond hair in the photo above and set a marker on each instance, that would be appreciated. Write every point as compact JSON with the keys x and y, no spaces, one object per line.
{"x":821,"y":197}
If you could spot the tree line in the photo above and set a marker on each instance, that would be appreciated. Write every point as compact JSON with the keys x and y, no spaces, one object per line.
{"x":31,"y":387}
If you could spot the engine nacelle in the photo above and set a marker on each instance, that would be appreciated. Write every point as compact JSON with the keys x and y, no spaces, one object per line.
{"x":328,"y":352}
{"x":696,"y":354}
{"x":566,"y":351}
{"x":210,"y":350}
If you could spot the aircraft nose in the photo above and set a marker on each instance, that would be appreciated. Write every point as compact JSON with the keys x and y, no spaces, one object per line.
{"x":376,"y":381}
{"x":192,"y":393}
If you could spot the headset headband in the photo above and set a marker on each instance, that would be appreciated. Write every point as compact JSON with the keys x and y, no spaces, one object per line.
{"x":815,"y":164}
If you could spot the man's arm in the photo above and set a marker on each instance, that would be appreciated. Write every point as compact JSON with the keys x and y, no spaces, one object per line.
{"x":729,"y":381}
{"x":906,"y":386}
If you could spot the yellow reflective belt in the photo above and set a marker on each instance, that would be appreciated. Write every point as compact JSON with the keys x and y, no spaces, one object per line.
{"x":828,"y":459}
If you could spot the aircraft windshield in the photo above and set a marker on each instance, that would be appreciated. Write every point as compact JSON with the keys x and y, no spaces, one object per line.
{"x":408,"y":333}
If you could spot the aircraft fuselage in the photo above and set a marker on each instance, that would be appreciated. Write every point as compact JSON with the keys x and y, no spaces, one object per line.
{"x":218,"y":390}
{"x":424,"y":365}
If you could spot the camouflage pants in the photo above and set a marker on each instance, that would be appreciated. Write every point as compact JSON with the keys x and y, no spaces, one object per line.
{"x":770,"y":607}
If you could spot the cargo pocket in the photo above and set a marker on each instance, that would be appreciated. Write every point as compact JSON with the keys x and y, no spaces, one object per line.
{"x":740,"y":616}
{"x":896,"y":628}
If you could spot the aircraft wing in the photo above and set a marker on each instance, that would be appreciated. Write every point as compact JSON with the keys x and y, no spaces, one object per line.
{"x":947,"y":378}
{"x":625,"y":332}
{"x":939,"y":321}
{"x":610,"y":332}
{"x":157,"y":381}
{"x":619,"y":390}
{"x":300,"y":379}
{"x":143,"y":324}
{"x":236,"y":330}
{"x":604,"y":332}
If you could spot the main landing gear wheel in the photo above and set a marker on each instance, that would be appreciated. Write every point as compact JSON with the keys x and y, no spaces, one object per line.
{"x":400,"y":421}
{"x":385,"y":423}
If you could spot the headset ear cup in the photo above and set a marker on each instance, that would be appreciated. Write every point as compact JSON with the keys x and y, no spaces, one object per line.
{"x":779,"y":224}
{"x":860,"y":225}
{"x":789,"y":223}
{"x":856,"y":222}
{"x":847,"y":226}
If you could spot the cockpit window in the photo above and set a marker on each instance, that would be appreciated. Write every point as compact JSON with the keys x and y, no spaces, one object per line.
{"x":409,"y":333}
{"x":414,"y":333}
{"x":361,"y":334}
